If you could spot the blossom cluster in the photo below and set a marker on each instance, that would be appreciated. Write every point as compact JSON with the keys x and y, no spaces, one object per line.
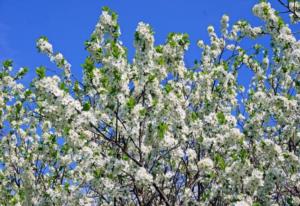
{"x":152,"y":131}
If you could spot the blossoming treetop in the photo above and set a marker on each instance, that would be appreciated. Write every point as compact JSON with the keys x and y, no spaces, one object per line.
{"x":129,"y":139}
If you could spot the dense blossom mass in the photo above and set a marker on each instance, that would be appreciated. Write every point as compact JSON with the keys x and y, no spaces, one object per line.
{"x":152,"y":131}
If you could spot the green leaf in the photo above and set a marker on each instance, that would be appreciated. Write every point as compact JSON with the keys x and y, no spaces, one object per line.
{"x":220,"y":162}
{"x":65,"y":148}
{"x":266,"y":10}
{"x":280,"y":22}
{"x":200,"y":139}
{"x":18,"y":107}
{"x":104,"y":81}
{"x":106,"y":8}
{"x":125,"y":157}
{"x":54,"y":154}
{"x":160,"y":60}
{"x":66,"y":186}
{"x":52,"y":139}
{"x":243,"y":155}
{"x":115,"y":50}
{"x":64,"y":87}
{"x":88,"y":67}
{"x":110,"y":176}
{"x":44,"y":38}
{"x":117,"y":75}
{"x":172,"y":43}
{"x":7,"y":63}
{"x":143,"y":112}
{"x":86,"y":106}
{"x":194,"y":116}
{"x":290,"y":201}
{"x":21,"y":72}
{"x":27,"y":93}
{"x":159,"y":49}
{"x":184,"y":40}
{"x":76,"y":87}
{"x":41,"y":72}
{"x":151,"y":77}
{"x":114,"y":16}
{"x":131,"y":103}
{"x":162,"y":128}
{"x":168,"y":88}
{"x":98,"y":173}
{"x":170,"y":36}
{"x":136,"y":37}
{"x":225,"y":65}
{"x":221,"y":118}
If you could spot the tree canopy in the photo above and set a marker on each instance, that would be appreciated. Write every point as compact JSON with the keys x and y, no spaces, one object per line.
{"x":152,"y":131}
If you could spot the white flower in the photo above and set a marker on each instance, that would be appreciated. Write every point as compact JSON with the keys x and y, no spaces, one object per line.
{"x":210,"y":29}
{"x":211,"y":118}
{"x":143,"y":176}
{"x":178,"y":153}
{"x":181,"y":112}
{"x":296,"y":56}
{"x":224,"y":24}
{"x":57,"y":58}
{"x":44,"y":46}
{"x":230,"y":47}
{"x":201,"y":44}
{"x":87,"y":151}
{"x":262,"y":9}
{"x":144,"y":31}
{"x":145,"y":149}
{"x":206,"y":163}
{"x":169,"y":141}
{"x":106,"y":19}
{"x":256,"y":30}
{"x":191,"y":154}
{"x":242,"y":203}
{"x":225,"y":18}
{"x":266,"y":61}
{"x":169,"y":174}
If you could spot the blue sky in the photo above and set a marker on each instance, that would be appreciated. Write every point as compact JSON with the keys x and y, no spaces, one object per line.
{"x":68,"y":23}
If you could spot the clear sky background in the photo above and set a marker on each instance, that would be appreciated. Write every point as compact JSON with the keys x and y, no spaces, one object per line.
{"x":68,"y":23}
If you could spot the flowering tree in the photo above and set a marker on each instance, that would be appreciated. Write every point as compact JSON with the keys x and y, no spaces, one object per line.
{"x":132,"y":136}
